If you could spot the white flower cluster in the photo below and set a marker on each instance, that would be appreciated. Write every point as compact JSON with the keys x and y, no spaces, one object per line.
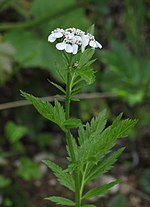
{"x":72,"y":39}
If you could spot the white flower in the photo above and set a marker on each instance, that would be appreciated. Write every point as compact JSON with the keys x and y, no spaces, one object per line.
{"x":85,"y":42}
{"x":57,"y":33}
{"x":61,"y":46}
{"x":73,"y":39}
{"x":69,"y":48}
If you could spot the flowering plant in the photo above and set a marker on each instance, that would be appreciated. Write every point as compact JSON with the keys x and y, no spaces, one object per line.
{"x":73,"y":39}
{"x":89,"y":154}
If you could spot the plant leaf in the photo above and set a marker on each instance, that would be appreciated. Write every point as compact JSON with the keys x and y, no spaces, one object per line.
{"x":88,"y":205}
{"x":15,"y":132}
{"x":93,"y":128}
{"x":61,"y":201}
{"x":100,"y":190}
{"x":72,"y":123}
{"x":103,"y":166}
{"x":101,"y":143}
{"x":85,"y":57}
{"x":54,"y":113}
{"x":58,"y":86}
{"x":63,"y":177}
{"x":75,"y":99}
{"x":87,"y":74}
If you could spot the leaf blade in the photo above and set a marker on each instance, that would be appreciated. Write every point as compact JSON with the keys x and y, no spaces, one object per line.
{"x":104,"y":165}
{"x":64,"y":178}
{"x":54,"y":113}
{"x":61,"y":200}
{"x":100,"y":190}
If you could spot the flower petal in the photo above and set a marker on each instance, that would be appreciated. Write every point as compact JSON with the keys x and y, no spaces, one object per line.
{"x":58,"y":34}
{"x":70,"y":35}
{"x":85,"y":40}
{"x":61,"y":46}
{"x":77,"y":37}
{"x":92,"y":43}
{"x":69,"y":48}
{"x":98,"y":45}
{"x":51,"y":38}
{"x":75,"y":49}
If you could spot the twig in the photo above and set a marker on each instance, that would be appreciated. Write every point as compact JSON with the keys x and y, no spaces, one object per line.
{"x":20,"y":103}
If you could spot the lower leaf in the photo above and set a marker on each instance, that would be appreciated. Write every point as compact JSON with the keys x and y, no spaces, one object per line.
{"x":100,"y":190}
{"x":61,"y":200}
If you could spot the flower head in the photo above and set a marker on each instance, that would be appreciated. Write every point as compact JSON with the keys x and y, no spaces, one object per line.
{"x":72,"y":39}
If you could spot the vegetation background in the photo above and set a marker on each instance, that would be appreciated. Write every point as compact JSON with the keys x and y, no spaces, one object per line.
{"x":27,"y":60}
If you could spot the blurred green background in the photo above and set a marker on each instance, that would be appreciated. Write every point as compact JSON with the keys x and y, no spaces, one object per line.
{"x":27,"y":60}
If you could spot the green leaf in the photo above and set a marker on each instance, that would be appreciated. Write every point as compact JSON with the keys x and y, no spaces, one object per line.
{"x":29,"y":170}
{"x":88,"y":205}
{"x":94,"y":128}
{"x":72,"y":123}
{"x":54,"y":113}
{"x":61,"y":201}
{"x":63,"y":177}
{"x":74,"y":99}
{"x":58,"y":86}
{"x":100,"y":190}
{"x":87,"y":74}
{"x":100,"y":144}
{"x":103,"y":166}
{"x":15,"y":132}
{"x":85,"y":57}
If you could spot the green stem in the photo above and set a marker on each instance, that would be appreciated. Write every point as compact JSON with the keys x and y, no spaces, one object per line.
{"x":68,"y":135}
{"x":67,"y":112}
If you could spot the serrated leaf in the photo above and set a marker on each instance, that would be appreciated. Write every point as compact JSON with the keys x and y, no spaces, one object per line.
{"x":99,"y":145}
{"x":63,"y":177}
{"x":61,"y":200}
{"x":103,"y":166}
{"x":72,"y":123}
{"x":58,"y":86}
{"x":100,"y":190}
{"x":54,"y":113}
{"x":93,"y":128}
